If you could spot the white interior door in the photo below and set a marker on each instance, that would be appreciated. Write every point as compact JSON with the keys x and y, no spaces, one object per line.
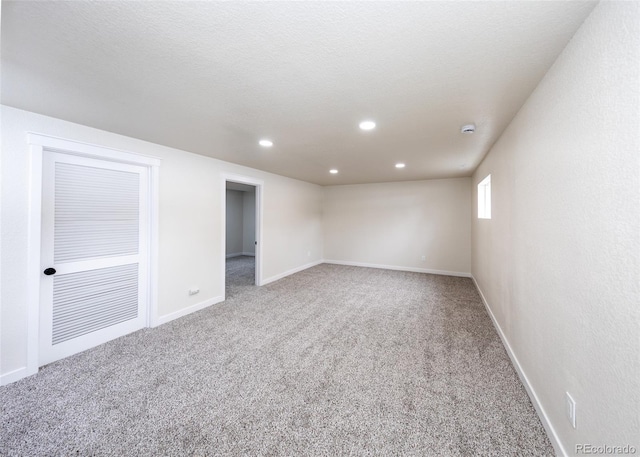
{"x":94,"y":282}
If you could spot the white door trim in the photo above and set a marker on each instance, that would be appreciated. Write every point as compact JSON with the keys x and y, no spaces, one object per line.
{"x":38,"y":143}
{"x":259,"y":185}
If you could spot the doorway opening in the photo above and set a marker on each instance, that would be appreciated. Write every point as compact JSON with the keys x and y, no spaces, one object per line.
{"x":242,"y":218}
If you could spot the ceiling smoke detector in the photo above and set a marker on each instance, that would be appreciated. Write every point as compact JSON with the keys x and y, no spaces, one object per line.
{"x":469,"y":128}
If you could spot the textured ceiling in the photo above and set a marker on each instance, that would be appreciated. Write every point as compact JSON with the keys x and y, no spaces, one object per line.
{"x":215,"y":77}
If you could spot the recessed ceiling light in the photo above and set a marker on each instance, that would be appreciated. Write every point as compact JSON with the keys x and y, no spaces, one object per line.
{"x":400,"y":165}
{"x":367,"y":125}
{"x":265,"y":143}
{"x":333,"y":171}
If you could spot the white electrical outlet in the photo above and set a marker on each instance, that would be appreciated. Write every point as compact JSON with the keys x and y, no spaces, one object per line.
{"x":570,"y":406}
{"x":308,"y":253}
{"x":424,"y":257}
{"x":194,"y":291}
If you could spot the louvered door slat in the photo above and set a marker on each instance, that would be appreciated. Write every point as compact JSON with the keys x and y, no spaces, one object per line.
{"x":96,"y":212}
{"x":70,"y":324}
{"x":75,"y":307}
{"x":85,"y":310}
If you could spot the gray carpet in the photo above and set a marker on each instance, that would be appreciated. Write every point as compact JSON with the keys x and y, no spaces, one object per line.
{"x":240,"y":276}
{"x":334,"y":360}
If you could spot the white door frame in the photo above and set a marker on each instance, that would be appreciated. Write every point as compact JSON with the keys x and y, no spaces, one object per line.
{"x":259,"y":185}
{"x":39,"y":143}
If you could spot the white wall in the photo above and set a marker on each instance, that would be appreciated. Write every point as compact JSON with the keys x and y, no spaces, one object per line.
{"x":559,"y":262}
{"x":289,"y":210}
{"x":395,"y":224}
{"x":235,"y":225}
{"x":190,"y":232}
{"x":248,"y":222}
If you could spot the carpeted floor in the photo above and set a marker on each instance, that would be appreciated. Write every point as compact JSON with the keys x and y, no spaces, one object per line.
{"x":334,"y":360}
{"x":240,"y":276}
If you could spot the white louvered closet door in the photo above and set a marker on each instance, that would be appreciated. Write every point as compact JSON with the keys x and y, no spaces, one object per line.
{"x":94,"y":253}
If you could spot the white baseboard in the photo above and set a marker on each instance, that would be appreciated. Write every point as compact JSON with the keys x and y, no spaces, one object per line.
{"x":399,"y":268}
{"x":544,"y":418}
{"x":188,"y":310}
{"x":13,"y":376}
{"x":250,"y":254}
{"x":290,"y":272}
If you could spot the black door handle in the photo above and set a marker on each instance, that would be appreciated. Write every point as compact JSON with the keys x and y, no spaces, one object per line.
{"x":50,"y":271}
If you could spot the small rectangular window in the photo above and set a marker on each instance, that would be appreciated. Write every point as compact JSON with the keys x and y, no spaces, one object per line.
{"x":484,"y":198}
